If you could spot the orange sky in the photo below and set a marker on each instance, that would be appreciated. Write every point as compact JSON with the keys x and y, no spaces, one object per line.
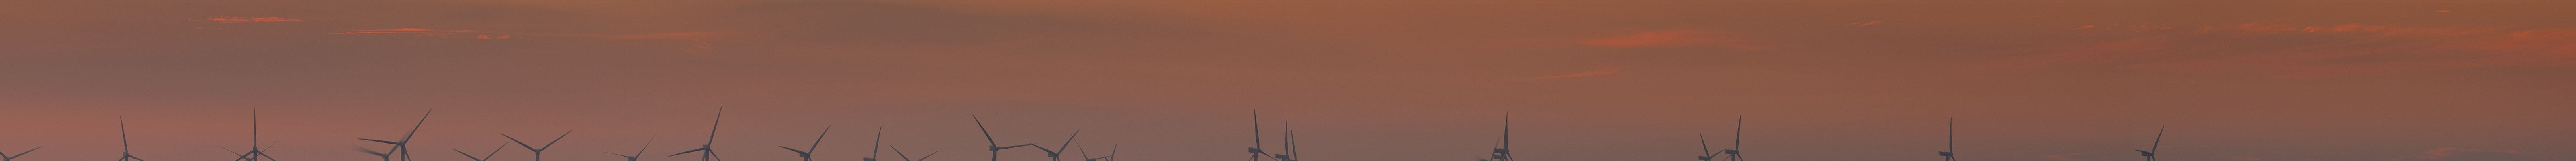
{"x":1362,"y":80}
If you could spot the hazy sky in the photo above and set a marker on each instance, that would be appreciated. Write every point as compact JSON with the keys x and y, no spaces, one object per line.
{"x":1361,"y":80}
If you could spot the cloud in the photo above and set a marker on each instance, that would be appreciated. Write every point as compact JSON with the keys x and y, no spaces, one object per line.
{"x":2466,"y":154}
{"x":1594,"y":72}
{"x":1668,"y":38}
{"x":235,"y":19}
{"x":2303,"y":51}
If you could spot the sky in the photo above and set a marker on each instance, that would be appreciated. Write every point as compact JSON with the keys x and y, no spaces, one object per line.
{"x":1358,"y":80}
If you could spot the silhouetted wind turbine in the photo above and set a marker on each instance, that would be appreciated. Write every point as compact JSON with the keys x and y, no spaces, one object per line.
{"x":121,"y":141}
{"x":539,"y":151}
{"x":898,"y":152}
{"x":387,"y":155}
{"x":1731,"y":153}
{"x":1257,"y":154}
{"x":639,"y":152}
{"x":710,"y":155}
{"x":1056,"y":155}
{"x":1288,"y":139}
{"x":1704,"y":154}
{"x":989,"y":144}
{"x":872,"y":147}
{"x":7,"y":157}
{"x":2150,"y":153}
{"x":255,"y":152}
{"x":1953,"y":141}
{"x":808,"y":153}
{"x":403,"y":146}
{"x":1504,"y":153}
{"x":486,"y":156}
{"x":238,"y":155}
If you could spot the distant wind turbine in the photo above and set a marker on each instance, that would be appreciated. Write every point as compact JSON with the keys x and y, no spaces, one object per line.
{"x":1257,"y":154}
{"x":1953,"y":141}
{"x":1055,"y":155}
{"x":539,"y":151}
{"x":989,"y":145}
{"x":1086,"y":152}
{"x":710,"y":155}
{"x":121,"y":142}
{"x":1704,"y":154}
{"x":2150,"y":153}
{"x":639,"y":152}
{"x":403,"y":146}
{"x":255,"y":152}
{"x":486,"y":156}
{"x":1731,"y":153}
{"x":808,"y":153}
{"x":1288,"y":139}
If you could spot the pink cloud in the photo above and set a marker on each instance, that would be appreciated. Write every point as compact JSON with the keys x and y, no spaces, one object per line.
{"x":1668,"y":38}
{"x":234,"y":19}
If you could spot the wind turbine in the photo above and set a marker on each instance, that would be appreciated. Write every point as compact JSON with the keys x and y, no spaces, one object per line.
{"x":1504,"y":153}
{"x":403,"y":146}
{"x":1257,"y":154}
{"x":238,"y":157}
{"x":486,"y":156}
{"x":1704,"y":154}
{"x":255,"y":152}
{"x":1953,"y":141}
{"x":808,"y":153}
{"x":639,"y":152}
{"x":540,"y":151}
{"x":989,"y":144}
{"x":1731,"y":153}
{"x":1288,"y":140}
{"x":898,"y":152}
{"x":121,"y":142}
{"x":387,"y":155}
{"x":872,"y":147}
{"x":1056,"y":155}
{"x":710,"y":155}
{"x":2150,"y":153}
{"x":7,"y":157}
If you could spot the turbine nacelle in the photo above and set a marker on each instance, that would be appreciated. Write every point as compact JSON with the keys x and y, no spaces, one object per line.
{"x":1728,"y":151}
{"x":1945,"y":153}
{"x":1254,"y":150}
{"x":2145,"y":153}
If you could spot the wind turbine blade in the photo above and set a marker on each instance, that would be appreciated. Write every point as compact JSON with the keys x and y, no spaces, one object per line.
{"x":24,"y":153}
{"x":711,"y":128}
{"x":382,"y":141}
{"x":1703,"y":145}
{"x":880,"y":142}
{"x":516,"y":140}
{"x":558,"y":138}
{"x":619,"y":155}
{"x":648,"y":144}
{"x":818,"y":138}
{"x":1068,"y":140}
{"x":687,"y":152}
{"x":792,"y":149}
{"x":1256,"y":129}
{"x":1015,"y":146}
{"x":1086,"y":150}
{"x":2160,"y":140}
{"x":265,"y":154}
{"x":467,"y":155}
{"x":898,"y":152}
{"x":927,"y":157}
{"x":988,"y":134}
{"x":1043,"y":148}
